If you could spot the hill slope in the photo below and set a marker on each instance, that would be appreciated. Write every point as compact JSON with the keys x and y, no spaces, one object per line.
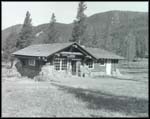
{"x":111,"y":26}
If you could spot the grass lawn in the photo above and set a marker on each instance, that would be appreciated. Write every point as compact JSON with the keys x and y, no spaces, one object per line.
{"x":87,"y":97}
{"x":34,"y":99}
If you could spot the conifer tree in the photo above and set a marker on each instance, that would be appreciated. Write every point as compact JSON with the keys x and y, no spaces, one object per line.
{"x":51,"y":32}
{"x":10,"y":47}
{"x":140,"y":47}
{"x":130,"y":46}
{"x":25,"y":37}
{"x":80,"y":25}
{"x":95,"y":39}
{"x":92,"y":38}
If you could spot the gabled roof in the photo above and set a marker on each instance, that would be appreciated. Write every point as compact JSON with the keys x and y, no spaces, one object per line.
{"x":42,"y":49}
{"x":45,"y":50}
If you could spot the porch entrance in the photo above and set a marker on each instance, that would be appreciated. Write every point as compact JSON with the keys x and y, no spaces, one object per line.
{"x":75,"y":64}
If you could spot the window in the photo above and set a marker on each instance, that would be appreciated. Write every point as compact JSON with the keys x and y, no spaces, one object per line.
{"x":64,"y":64}
{"x":60,"y":63}
{"x":114,"y":61}
{"x":102,"y":62}
{"x":90,"y":64}
{"x":57,"y":63}
{"x":23,"y":62}
{"x":31,"y":62}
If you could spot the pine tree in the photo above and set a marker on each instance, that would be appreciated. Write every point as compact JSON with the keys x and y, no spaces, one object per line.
{"x":108,"y":42}
{"x":94,"y":37}
{"x":25,"y":37}
{"x":51,"y":32}
{"x":108,"y":38}
{"x":130,"y":46}
{"x":79,"y":24}
{"x":140,"y":47}
{"x":10,"y":47}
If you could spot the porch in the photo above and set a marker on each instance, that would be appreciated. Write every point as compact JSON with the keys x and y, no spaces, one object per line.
{"x":72,"y":63}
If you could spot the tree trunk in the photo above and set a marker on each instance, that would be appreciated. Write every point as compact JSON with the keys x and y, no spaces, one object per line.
{"x":11,"y":63}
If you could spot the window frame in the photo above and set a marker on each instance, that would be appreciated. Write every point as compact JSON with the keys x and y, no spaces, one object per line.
{"x":60,"y":64}
{"x":90,"y":63}
{"x":31,"y":62}
{"x":63,"y":64}
{"x":100,"y":63}
{"x":57,"y":64}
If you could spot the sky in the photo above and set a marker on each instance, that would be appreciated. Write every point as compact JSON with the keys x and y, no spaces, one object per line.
{"x":65,"y":12}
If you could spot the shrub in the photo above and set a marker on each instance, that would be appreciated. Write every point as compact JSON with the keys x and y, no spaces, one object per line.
{"x":26,"y":71}
{"x":39,"y":78}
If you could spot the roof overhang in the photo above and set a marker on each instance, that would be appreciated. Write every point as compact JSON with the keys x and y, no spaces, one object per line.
{"x":76,"y":45}
{"x":71,"y":53}
{"x":81,"y":51}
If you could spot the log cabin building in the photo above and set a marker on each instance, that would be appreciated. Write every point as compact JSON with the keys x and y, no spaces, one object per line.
{"x":69,"y":58}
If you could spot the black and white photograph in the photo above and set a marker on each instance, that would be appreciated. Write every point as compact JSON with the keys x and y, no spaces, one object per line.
{"x":74,"y":59}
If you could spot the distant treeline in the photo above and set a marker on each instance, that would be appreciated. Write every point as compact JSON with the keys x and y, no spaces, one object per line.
{"x":124,"y":33}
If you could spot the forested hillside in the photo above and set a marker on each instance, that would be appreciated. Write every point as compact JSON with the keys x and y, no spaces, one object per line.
{"x":118,"y":31}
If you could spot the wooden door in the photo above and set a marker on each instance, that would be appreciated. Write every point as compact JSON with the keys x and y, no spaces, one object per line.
{"x":73,"y":65}
{"x":78,"y":68}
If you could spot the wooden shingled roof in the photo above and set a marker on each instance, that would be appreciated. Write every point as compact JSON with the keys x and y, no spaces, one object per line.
{"x":42,"y":49}
{"x":45,"y":50}
{"x":100,"y":53}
